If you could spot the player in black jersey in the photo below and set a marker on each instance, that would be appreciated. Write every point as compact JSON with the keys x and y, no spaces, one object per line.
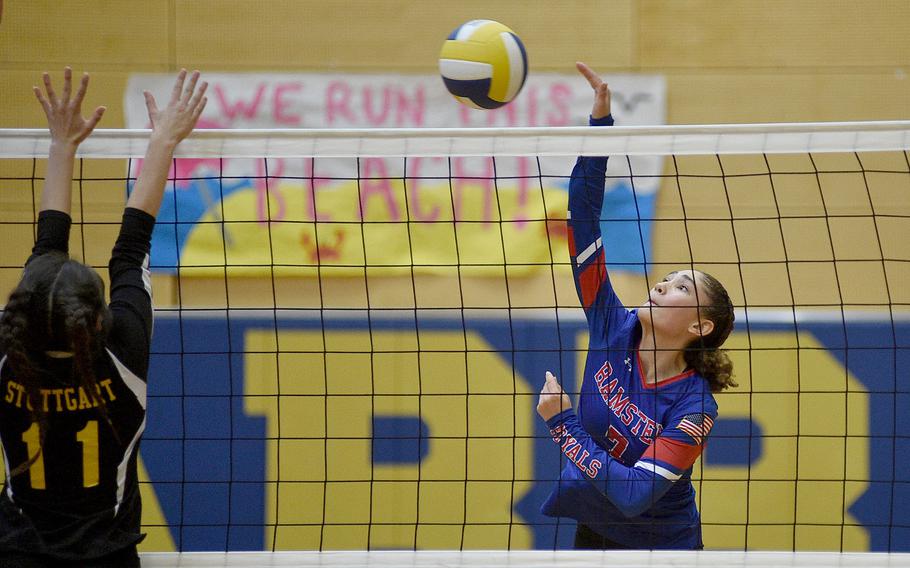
{"x":73,"y":368}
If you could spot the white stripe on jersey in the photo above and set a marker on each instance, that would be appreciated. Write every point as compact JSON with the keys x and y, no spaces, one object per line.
{"x":147,"y":282}
{"x":139,"y":389}
{"x":132,"y":382}
{"x":588,"y":252}
{"x":146,"y":276}
{"x":9,"y":486}
{"x":654,"y":468}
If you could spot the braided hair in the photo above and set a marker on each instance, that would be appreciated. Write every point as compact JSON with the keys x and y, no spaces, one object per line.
{"x":58,"y":306}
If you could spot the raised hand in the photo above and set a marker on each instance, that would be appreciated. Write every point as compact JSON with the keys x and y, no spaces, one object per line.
{"x":553,"y":399}
{"x":64,"y":114}
{"x":169,"y":127}
{"x":601,"y":107}
{"x":178,"y":119}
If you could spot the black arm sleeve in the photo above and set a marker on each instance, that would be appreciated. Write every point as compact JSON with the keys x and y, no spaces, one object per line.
{"x":53,"y":233}
{"x":131,"y":291}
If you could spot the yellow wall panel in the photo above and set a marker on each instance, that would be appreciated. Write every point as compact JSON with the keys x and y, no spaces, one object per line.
{"x":362,"y":492}
{"x":808,"y":39}
{"x":777,"y":33}
{"x":108,"y":34}
{"x":740,"y":96}
{"x":390,"y":35}
{"x":20,"y":108}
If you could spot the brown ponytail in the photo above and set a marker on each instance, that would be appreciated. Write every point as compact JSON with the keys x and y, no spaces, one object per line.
{"x":81,"y":313}
{"x":704,"y":354}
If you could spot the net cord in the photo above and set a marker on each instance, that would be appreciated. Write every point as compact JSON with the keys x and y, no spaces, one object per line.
{"x":460,"y":142}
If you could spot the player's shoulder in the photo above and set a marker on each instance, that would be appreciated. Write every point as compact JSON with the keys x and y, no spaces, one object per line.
{"x":125,"y":361}
{"x":695,"y":396}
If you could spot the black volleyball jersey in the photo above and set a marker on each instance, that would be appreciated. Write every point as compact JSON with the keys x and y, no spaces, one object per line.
{"x":80,"y":499}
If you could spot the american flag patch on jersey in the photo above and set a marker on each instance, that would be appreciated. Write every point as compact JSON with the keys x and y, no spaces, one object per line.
{"x":696,"y":425}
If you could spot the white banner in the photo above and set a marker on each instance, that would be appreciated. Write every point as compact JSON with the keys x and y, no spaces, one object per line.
{"x":250,"y":196}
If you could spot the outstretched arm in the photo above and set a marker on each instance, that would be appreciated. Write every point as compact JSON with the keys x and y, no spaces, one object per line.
{"x":131,"y":291}
{"x":586,"y":195}
{"x":68,"y":129}
{"x":169,"y":127}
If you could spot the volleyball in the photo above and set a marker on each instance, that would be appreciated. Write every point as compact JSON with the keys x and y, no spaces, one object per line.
{"x":483,"y":64}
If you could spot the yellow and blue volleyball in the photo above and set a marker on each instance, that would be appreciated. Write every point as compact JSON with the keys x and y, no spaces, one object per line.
{"x":483,"y":64}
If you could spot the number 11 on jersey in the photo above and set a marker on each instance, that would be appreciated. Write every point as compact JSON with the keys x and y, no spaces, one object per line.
{"x":88,"y":437}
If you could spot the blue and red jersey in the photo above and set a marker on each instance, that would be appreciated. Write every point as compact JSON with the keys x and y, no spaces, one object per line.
{"x":629,"y":445}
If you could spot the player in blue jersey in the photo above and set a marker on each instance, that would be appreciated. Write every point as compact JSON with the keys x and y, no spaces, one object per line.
{"x":73,"y":368}
{"x":646,"y":403}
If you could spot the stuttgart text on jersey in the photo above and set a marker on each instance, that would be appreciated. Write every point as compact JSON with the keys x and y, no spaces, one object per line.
{"x":68,"y":399}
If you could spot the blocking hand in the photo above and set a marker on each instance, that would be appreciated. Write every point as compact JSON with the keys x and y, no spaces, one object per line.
{"x":64,"y":114}
{"x":178,"y":119}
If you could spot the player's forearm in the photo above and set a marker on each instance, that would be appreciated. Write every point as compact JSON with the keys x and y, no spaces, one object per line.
{"x":586,"y":186}
{"x":633,"y":490}
{"x":585,"y":246}
{"x":586,"y":193}
{"x":586,"y":197}
{"x":58,"y":182}
{"x":149,"y":189}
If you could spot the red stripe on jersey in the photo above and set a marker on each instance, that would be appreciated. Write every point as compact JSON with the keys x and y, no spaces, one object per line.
{"x":571,"y":234}
{"x":673,"y":452}
{"x":591,"y":278}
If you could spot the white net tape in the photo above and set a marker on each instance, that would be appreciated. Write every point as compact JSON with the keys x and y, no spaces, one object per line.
{"x":530,"y":559}
{"x":564,"y":141}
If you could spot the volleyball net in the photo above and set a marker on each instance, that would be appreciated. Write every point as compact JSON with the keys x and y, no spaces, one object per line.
{"x":352,"y":326}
